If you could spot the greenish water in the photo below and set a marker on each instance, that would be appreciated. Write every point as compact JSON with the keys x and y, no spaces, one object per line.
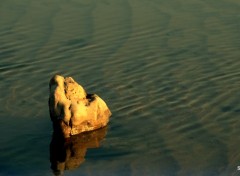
{"x":168,"y":70}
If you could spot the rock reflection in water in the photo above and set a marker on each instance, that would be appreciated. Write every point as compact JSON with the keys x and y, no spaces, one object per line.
{"x":69,"y":153}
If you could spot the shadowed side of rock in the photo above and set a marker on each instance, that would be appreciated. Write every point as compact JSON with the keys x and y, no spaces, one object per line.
{"x":72,"y":110}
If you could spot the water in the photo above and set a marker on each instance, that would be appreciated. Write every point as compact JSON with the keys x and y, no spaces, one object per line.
{"x":168,"y":70}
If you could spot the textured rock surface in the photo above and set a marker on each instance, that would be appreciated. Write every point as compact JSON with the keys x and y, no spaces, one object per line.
{"x":72,"y":110}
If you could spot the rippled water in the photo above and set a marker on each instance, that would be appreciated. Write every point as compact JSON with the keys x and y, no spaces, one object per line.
{"x":169,"y":71}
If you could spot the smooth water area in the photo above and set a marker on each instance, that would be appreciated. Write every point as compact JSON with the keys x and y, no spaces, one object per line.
{"x":168,"y":70}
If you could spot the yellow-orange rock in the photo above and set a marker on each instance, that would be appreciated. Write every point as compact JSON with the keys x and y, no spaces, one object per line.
{"x":72,"y":110}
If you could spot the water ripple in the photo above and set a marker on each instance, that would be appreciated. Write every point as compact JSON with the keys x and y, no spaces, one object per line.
{"x":169,"y":73}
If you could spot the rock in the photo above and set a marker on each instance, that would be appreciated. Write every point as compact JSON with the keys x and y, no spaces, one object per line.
{"x":72,"y":110}
{"x":67,"y":154}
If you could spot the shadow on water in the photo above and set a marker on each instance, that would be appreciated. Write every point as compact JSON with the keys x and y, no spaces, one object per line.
{"x":67,"y":154}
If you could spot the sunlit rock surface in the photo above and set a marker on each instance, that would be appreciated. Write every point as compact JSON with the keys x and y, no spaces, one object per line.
{"x":67,"y":154}
{"x":72,"y":110}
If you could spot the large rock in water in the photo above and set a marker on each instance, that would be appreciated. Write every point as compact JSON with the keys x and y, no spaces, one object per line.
{"x":72,"y":110}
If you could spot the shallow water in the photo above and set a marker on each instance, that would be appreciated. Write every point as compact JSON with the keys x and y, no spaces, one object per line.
{"x":169,"y":71}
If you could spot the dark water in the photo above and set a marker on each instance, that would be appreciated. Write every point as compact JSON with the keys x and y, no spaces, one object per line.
{"x":169,"y":71}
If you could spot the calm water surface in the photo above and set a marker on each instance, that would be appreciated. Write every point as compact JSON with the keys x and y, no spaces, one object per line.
{"x":169,"y":71}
